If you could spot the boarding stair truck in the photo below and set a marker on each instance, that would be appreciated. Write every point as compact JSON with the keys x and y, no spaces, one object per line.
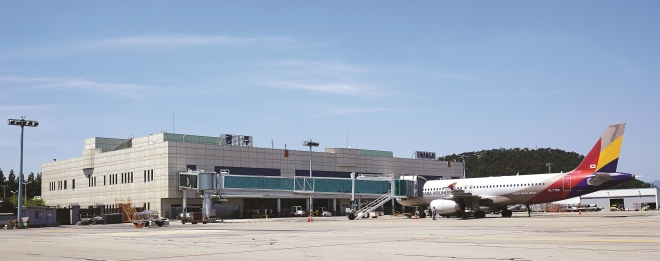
{"x":404,"y":187}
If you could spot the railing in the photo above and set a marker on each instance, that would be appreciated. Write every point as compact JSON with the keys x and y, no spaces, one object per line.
{"x":373,"y":205}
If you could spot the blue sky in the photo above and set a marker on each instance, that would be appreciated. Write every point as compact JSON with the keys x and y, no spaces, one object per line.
{"x":443,"y":76}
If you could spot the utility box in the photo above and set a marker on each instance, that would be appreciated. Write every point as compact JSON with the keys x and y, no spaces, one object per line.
{"x":41,"y":216}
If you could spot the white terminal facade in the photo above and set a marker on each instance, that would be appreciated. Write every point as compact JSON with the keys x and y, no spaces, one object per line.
{"x":145,"y":170}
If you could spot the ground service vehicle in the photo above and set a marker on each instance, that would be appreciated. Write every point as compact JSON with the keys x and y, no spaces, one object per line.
{"x":192,"y":217}
{"x":297,"y":211}
{"x":324,"y":212}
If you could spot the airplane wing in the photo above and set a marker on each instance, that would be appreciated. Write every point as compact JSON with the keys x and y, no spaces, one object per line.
{"x":461,"y":195}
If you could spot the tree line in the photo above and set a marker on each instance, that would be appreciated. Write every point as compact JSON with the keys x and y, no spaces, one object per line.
{"x":507,"y":162}
{"x":9,"y":184}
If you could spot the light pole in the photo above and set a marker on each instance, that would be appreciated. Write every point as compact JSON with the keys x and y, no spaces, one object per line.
{"x":4,"y":191}
{"x":310,"y":144}
{"x":464,"y":157}
{"x":25,"y":189}
{"x":549,"y":165}
{"x":22,"y":122}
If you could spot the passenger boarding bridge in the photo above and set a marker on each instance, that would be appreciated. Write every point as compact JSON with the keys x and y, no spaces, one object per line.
{"x":221,"y":186}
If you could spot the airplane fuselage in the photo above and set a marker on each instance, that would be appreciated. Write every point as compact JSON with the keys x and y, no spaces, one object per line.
{"x":510,"y":190}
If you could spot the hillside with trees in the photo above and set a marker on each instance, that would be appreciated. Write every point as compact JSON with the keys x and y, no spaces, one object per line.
{"x":508,"y":162}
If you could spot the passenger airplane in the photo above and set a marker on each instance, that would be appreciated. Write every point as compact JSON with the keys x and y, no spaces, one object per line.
{"x":486,"y":195}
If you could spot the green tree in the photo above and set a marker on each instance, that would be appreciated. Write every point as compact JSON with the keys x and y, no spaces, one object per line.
{"x":28,"y":203}
{"x":3,"y":183}
{"x":37,"y":185}
{"x":12,"y":181}
{"x":29,"y":188}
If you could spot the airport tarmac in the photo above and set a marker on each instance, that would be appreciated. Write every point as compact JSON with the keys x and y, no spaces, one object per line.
{"x":545,"y":236}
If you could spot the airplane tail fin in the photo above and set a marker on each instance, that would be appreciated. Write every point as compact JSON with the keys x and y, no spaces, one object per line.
{"x":604,"y":156}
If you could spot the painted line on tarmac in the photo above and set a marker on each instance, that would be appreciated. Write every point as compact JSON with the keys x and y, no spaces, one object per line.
{"x":259,"y":250}
{"x":562,"y":239}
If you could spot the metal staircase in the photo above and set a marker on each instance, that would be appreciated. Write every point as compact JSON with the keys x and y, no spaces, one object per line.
{"x":127,"y":143}
{"x":373,"y":205}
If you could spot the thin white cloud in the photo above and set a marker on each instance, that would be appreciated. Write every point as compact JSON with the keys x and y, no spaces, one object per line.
{"x":150,"y":41}
{"x":134,"y":91}
{"x":182,"y":40}
{"x":358,"y":110}
{"x":332,"y":88}
{"x":325,"y":66}
{"x":34,"y":107}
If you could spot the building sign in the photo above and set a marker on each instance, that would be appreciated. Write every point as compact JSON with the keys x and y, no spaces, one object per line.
{"x":425,"y":155}
{"x":236,"y":140}
{"x":187,"y":181}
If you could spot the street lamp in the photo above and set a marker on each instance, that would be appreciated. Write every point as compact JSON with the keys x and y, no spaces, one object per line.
{"x":464,"y":157}
{"x":4,"y":193}
{"x":25,"y":188}
{"x":549,"y":165}
{"x":14,"y":192}
{"x":23,"y":123}
{"x":310,"y":144}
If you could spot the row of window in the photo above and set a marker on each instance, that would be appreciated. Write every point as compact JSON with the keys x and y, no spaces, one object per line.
{"x":57,"y":185}
{"x":323,"y":174}
{"x":148,"y":175}
{"x":125,"y":178}
{"x":492,"y":186}
{"x":276,"y":172}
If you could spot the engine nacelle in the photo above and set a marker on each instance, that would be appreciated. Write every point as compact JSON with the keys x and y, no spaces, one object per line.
{"x":444,"y":207}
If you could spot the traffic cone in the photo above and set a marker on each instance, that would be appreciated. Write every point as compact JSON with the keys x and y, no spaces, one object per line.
{"x":309,"y":219}
{"x":580,"y":212}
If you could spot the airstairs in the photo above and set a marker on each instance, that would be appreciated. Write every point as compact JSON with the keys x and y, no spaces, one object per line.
{"x":373,"y":205}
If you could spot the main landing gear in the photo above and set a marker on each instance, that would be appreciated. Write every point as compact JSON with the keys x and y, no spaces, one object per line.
{"x":507,"y":213}
{"x":479,"y":214}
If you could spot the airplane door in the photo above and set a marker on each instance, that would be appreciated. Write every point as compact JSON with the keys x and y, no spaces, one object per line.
{"x":567,"y":182}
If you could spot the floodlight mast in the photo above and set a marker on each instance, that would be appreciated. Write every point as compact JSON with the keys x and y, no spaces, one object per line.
{"x":464,"y":157}
{"x":549,"y":165}
{"x":310,"y":144}
{"x":22,"y":122}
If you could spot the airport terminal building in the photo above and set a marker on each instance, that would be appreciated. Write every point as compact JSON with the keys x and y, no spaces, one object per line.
{"x":145,"y":171}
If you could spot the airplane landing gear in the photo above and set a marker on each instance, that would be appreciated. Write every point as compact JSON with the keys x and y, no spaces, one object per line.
{"x":480,"y":214}
{"x":507,"y":213}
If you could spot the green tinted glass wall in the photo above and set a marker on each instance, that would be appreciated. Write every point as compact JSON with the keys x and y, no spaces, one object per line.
{"x":319,"y":185}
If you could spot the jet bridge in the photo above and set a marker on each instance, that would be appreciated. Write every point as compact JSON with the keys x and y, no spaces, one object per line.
{"x":212,"y":185}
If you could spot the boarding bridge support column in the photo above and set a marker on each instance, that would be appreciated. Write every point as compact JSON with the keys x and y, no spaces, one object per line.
{"x":307,"y":205}
{"x":185,"y":202}
{"x":279,"y":207}
{"x":334,"y":206}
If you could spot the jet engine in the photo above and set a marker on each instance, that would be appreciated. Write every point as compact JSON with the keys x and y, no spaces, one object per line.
{"x":443,"y":206}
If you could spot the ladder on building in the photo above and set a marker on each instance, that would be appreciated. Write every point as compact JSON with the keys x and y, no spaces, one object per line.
{"x":373,"y":205}
{"x":126,"y":208}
